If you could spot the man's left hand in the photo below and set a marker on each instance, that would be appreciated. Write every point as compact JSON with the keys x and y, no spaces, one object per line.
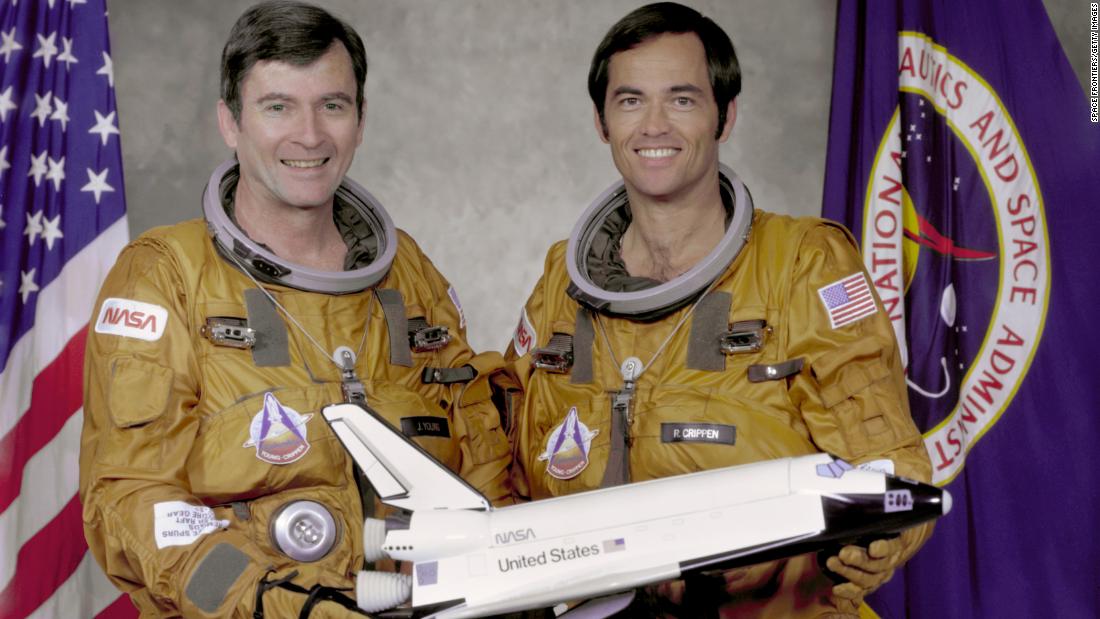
{"x":867,"y":569}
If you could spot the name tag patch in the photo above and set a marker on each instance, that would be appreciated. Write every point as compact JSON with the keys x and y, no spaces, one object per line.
{"x":176,"y":523}
{"x":718,"y":433}
{"x":425,"y":426}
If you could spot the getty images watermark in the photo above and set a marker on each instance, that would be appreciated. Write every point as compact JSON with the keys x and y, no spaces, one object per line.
{"x":1094,"y":61}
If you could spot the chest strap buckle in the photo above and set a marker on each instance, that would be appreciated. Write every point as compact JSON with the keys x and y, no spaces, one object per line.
{"x":775,"y":371}
{"x":447,"y":376}
{"x":426,"y":338}
{"x":745,"y":336}
{"x":556,"y":357}
{"x":229,"y":331}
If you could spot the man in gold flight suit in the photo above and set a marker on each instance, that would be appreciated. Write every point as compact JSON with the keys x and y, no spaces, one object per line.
{"x":211,"y":484}
{"x":678,"y":329}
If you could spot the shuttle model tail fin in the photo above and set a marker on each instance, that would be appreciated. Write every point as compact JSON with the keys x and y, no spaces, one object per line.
{"x":402,"y":473}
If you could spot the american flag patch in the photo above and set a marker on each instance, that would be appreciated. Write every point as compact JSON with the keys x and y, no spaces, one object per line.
{"x":848,"y":300}
{"x":451,"y":292}
{"x":614,"y":545}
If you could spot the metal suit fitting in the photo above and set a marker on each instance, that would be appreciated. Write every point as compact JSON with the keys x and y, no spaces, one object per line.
{"x":304,"y":530}
{"x":556,"y":357}
{"x":426,"y":338}
{"x":429,"y":339}
{"x":229,"y":331}
{"x":746,"y":336}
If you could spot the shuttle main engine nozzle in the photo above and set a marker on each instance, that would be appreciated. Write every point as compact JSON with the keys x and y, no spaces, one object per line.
{"x":374,"y":536}
{"x":378,"y":591}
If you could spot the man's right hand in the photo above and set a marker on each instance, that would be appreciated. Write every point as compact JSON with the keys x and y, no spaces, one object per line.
{"x":282,"y":603}
{"x":276,"y":598}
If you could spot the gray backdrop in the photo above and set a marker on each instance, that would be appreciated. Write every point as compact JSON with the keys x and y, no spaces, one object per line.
{"x":479,"y":136}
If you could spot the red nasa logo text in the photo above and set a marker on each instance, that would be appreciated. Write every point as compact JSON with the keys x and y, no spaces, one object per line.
{"x":129,"y":318}
{"x":525,"y":336}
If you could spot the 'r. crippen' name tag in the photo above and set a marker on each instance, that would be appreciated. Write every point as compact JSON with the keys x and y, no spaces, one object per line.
{"x":698,"y":433}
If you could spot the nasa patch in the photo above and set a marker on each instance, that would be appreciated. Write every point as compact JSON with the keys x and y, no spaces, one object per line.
{"x":278,"y":432}
{"x":525,"y":337}
{"x":567,"y":447}
{"x":130,"y":318}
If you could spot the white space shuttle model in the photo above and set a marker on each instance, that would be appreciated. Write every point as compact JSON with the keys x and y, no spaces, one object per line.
{"x":472,"y":560}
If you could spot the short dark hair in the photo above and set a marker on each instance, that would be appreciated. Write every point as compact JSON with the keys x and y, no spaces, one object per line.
{"x":288,"y":31}
{"x":653,"y":20}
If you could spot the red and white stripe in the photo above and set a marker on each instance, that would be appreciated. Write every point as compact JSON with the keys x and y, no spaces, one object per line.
{"x":45,"y":569}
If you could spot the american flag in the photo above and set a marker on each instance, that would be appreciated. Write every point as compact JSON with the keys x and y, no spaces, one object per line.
{"x":62,"y":223}
{"x":847,"y":300}
{"x":614,"y":545}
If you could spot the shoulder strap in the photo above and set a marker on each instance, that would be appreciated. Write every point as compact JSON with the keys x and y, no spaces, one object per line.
{"x":583,"y":333}
{"x":397,"y":325}
{"x":708,"y":323}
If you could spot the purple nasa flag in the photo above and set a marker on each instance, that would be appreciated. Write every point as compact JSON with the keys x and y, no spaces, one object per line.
{"x":962,"y":156}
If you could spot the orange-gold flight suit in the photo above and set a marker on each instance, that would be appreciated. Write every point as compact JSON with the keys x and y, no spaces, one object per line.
{"x":810,"y":387}
{"x":178,"y":481}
